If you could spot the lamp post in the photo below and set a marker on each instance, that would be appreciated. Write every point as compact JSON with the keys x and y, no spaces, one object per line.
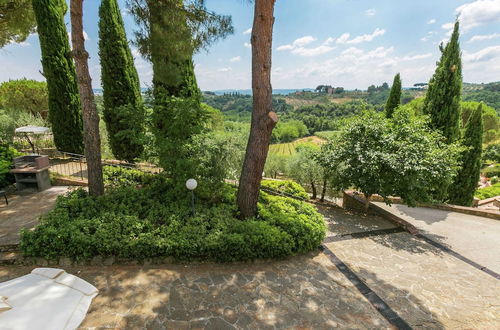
{"x":191,"y":184}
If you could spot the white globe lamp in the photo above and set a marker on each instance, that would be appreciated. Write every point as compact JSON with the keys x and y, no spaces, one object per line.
{"x":191,"y":184}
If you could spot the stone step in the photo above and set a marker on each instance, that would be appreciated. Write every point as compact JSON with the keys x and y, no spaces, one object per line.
{"x":9,"y":247}
{"x":10,"y":257}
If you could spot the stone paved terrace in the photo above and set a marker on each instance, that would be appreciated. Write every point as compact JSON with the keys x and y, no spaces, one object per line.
{"x":24,"y":210}
{"x":426,"y":287}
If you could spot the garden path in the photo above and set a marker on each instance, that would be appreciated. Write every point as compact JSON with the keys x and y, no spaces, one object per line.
{"x":23,"y":211}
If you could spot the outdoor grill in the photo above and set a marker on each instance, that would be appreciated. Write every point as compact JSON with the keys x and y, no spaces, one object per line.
{"x":31,"y":171}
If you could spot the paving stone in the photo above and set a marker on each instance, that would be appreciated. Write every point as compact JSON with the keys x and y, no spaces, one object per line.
{"x":216,"y":323}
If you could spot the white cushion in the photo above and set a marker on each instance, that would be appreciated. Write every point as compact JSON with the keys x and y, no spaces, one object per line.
{"x":77,"y":283}
{"x":48,"y":272}
{"x":39,"y":303}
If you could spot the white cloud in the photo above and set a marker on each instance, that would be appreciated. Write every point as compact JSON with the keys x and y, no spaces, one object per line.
{"x":247,"y":31}
{"x":300,"y":42}
{"x":484,"y":55}
{"x":416,"y":57}
{"x":478,"y":12}
{"x":298,"y":46}
{"x":431,"y":21}
{"x":344,"y":38}
{"x":357,"y":68}
{"x":370,"y":12}
{"x":228,"y":69}
{"x":247,"y":45}
{"x":484,"y":37}
{"x":323,"y":49}
{"x":235,"y":59}
{"x":483,"y":65}
{"x":23,"y":44}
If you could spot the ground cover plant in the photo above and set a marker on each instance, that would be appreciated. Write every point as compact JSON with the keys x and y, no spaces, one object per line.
{"x":155,"y":221}
{"x":115,"y":176}
{"x":488,"y":192}
{"x":287,"y":187}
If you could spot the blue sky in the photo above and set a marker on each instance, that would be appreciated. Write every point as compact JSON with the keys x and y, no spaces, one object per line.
{"x":349,"y":43}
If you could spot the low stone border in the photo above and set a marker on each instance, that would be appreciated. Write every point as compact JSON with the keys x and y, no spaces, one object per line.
{"x":447,"y":207}
{"x":16,"y":258}
{"x":352,"y":201}
{"x":66,"y":181}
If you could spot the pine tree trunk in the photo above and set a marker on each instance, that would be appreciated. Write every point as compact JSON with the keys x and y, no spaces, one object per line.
{"x":263,"y":118}
{"x":313,"y":187}
{"x":91,"y":138}
{"x":323,"y":192}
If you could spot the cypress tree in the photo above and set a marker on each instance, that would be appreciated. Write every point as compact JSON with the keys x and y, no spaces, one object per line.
{"x":462,"y":190}
{"x":394,"y":99}
{"x":442,"y":102}
{"x":65,"y":113}
{"x":123,"y":109}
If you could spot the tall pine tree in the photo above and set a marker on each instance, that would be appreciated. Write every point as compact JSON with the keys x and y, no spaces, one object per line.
{"x":394,"y":99}
{"x":442,"y":102}
{"x":170,"y":33}
{"x":123,"y":110}
{"x":65,"y":113}
{"x":178,"y":116}
{"x":461,"y":192}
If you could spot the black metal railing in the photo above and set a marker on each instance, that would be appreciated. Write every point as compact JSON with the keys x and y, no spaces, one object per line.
{"x":75,"y":165}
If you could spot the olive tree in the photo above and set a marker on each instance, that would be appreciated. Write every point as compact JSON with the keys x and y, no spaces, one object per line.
{"x":391,"y":157}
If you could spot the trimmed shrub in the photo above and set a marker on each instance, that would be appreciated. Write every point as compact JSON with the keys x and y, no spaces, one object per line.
{"x":288,"y":187}
{"x":155,"y":221}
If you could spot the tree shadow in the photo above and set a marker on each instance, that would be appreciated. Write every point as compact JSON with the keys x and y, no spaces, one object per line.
{"x":427,"y":215}
{"x":406,"y":242}
{"x":341,"y":222}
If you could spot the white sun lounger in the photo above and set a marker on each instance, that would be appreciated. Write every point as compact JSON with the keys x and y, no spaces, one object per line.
{"x":48,"y":298}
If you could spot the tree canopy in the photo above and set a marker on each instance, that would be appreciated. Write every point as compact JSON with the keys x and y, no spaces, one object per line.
{"x":391,"y":157}
{"x":17,"y":21}
{"x":203,"y":27}
{"x":24,"y":95}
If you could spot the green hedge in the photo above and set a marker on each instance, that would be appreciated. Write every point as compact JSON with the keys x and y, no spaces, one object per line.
{"x":488,"y":192}
{"x":153,"y":222}
{"x":288,"y":187}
